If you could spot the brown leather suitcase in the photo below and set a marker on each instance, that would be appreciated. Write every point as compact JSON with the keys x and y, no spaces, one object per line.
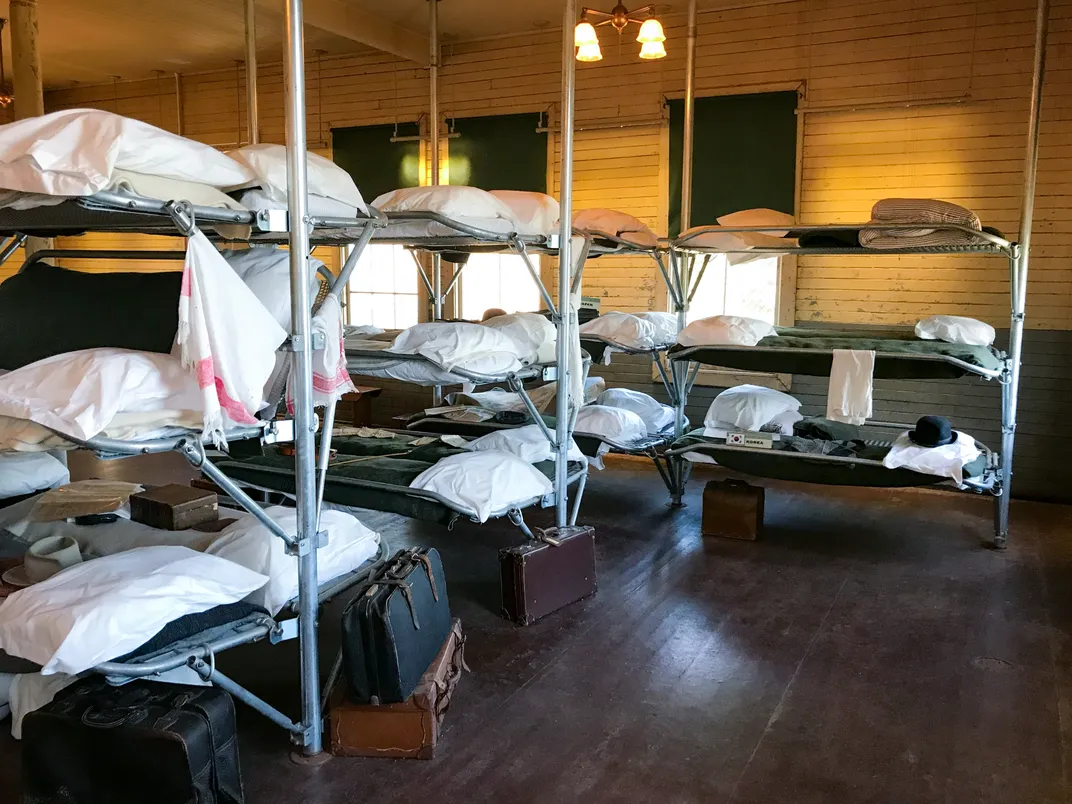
{"x":733,"y":509}
{"x":407,"y":730}
{"x":174,"y":507}
{"x":542,"y":576}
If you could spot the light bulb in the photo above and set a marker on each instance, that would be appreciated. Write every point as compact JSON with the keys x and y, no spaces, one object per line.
{"x":651,"y":31}
{"x":584,"y":34}
{"x":652,"y":50}
{"x":590,"y":52}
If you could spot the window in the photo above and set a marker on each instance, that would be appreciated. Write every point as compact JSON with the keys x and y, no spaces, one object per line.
{"x":383,"y":289}
{"x":749,"y":290}
{"x":497,"y":281}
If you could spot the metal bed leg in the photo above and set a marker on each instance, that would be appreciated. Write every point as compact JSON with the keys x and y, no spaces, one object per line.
{"x":1002,"y":501}
{"x":517,"y":519}
{"x":576,"y":510}
{"x":333,"y":678}
{"x":209,"y":673}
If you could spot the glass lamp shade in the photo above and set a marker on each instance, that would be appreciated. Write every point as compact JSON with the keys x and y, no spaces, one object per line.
{"x":651,"y":31}
{"x":584,"y":34}
{"x":652,"y":50}
{"x":591,"y":52}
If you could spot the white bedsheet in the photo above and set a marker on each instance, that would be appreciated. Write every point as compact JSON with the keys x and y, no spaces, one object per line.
{"x":468,"y":205}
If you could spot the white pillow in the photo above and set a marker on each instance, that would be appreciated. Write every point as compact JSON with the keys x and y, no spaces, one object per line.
{"x":725,"y":330}
{"x":748,"y":407}
{"x":535,"y":332}
{"x":448,"y":200}
{"x":484,"y":483}
{"x":759,"y":217}
{"x":528,"y":443}
{"x":536,"y":213}
{"x":99,"y":610}
{"x":449,"y":344}
{"x":26,"y":473}
{"x":79,"y":393}
{"x":783,"y":422}
{"x":665,"y":325}
{"x":956,"y":329}
{"x":268,"y":162}
{"x":319,"y":206}
{"x":655,"y":414}
{"x":250,"y":544}
{"x":622,"y":328}
{"x":266,"y":271}
{"x":614,"y":424}
{"x":617,"y":224}
{"x":76,"y":151}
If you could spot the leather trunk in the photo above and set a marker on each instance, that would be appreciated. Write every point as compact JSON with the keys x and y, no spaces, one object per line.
{"x":394,"y":626}
{"x":543,"y":576}
{"x":732,"y":509}
{"x":144,"y":741}
{"x":174,"y":507}
{"x":407,"y":730}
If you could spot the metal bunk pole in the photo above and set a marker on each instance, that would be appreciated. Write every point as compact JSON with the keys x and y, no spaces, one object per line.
{"x":304,"y":420}
{"x":433,"y":161}
{"x":252,"y":114}
{"x":1018,"y":279}
{"x":565,"y":262}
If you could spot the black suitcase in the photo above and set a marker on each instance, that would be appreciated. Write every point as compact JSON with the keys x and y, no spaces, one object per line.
{"x":142,"y":742}
{"x":394,"y":626}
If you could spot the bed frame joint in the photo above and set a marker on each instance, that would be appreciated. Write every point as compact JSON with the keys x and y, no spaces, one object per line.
{"x":295,"y":343}
{"x":303,"y":547}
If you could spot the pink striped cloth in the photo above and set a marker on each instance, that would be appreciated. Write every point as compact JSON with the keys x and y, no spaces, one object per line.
{"x":330,"y":378}
{"x":226,"y":337}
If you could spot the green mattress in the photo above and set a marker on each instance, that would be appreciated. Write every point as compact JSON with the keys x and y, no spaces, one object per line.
{"x":782,"y":463}
{"x":895,"y":349}
{"x":370,"y":473}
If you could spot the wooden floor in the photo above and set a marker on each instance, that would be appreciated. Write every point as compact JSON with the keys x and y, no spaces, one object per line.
{"x":868,"y":649}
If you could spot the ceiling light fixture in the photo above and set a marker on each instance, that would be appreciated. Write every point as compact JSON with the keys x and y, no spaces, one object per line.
{"x":6,"y":99}
{"x":651,"y":36}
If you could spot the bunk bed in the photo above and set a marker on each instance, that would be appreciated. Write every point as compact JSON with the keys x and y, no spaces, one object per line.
{"x":899,"y":354}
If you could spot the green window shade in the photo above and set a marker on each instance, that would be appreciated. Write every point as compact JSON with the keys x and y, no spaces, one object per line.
{"x":503,"y":152}
{"x":377,"y":164}
{"x":744,"y":155}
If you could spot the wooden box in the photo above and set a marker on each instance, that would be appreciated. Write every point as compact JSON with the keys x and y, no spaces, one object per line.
{"x":407,"y":730}
{"x":732,"y":509}
{"x":174,"y":507}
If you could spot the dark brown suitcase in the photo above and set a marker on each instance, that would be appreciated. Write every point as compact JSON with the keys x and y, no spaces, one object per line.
{"x":733,"y":509}
{"x":174,"y":507}
{"x":542,"y":576}
{"x":407,"y":730}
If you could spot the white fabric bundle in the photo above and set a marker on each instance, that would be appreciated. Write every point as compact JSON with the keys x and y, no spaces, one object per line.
{"x":616,"y":224}
{"x":30,"y":472}
{"x":330,"y":377}
{"x":655,"y":415}
{"x":528,"y":443}
{"x":452,"y":201}
{"x":535,"y":213}
{"x":451,"y":344}
{"x":484,"y":483}
{"x":82,"y":393}
{"x":626,"y":329}
{"x":725,"y":330}
{"x":536,"y":334}
{"x":227,"y":338}
{"x":945,"y":461}
{"x":849,"y":395}
{"x":955,"y":329}
{"x":665,"y":325}
{"x":266,"y":271}
{"x":268,"y":163}
{"x":98,"y":610}
{"x":75,"y":152}
{"x":617,"y":425}
{"x":251,"y":545}
{"x":747,"y":407}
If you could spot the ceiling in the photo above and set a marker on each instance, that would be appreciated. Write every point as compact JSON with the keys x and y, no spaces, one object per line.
{"x":94,"y":42}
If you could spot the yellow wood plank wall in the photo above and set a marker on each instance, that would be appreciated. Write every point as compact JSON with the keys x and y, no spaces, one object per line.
{"x":954,"y":75}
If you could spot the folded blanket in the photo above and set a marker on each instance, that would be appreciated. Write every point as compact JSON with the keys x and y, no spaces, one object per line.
{"x":923,"y":210}
{"x":226,"y":337}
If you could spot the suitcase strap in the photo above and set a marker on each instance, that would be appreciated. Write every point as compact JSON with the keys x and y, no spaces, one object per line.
{"x":407,"y":595}
{"x":444,"y":687}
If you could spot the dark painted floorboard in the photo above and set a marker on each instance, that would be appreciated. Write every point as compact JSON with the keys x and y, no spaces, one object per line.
{"x":868,"y":649}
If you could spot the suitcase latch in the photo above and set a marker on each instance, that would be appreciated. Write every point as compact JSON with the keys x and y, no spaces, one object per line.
{"x":545,"y":537}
